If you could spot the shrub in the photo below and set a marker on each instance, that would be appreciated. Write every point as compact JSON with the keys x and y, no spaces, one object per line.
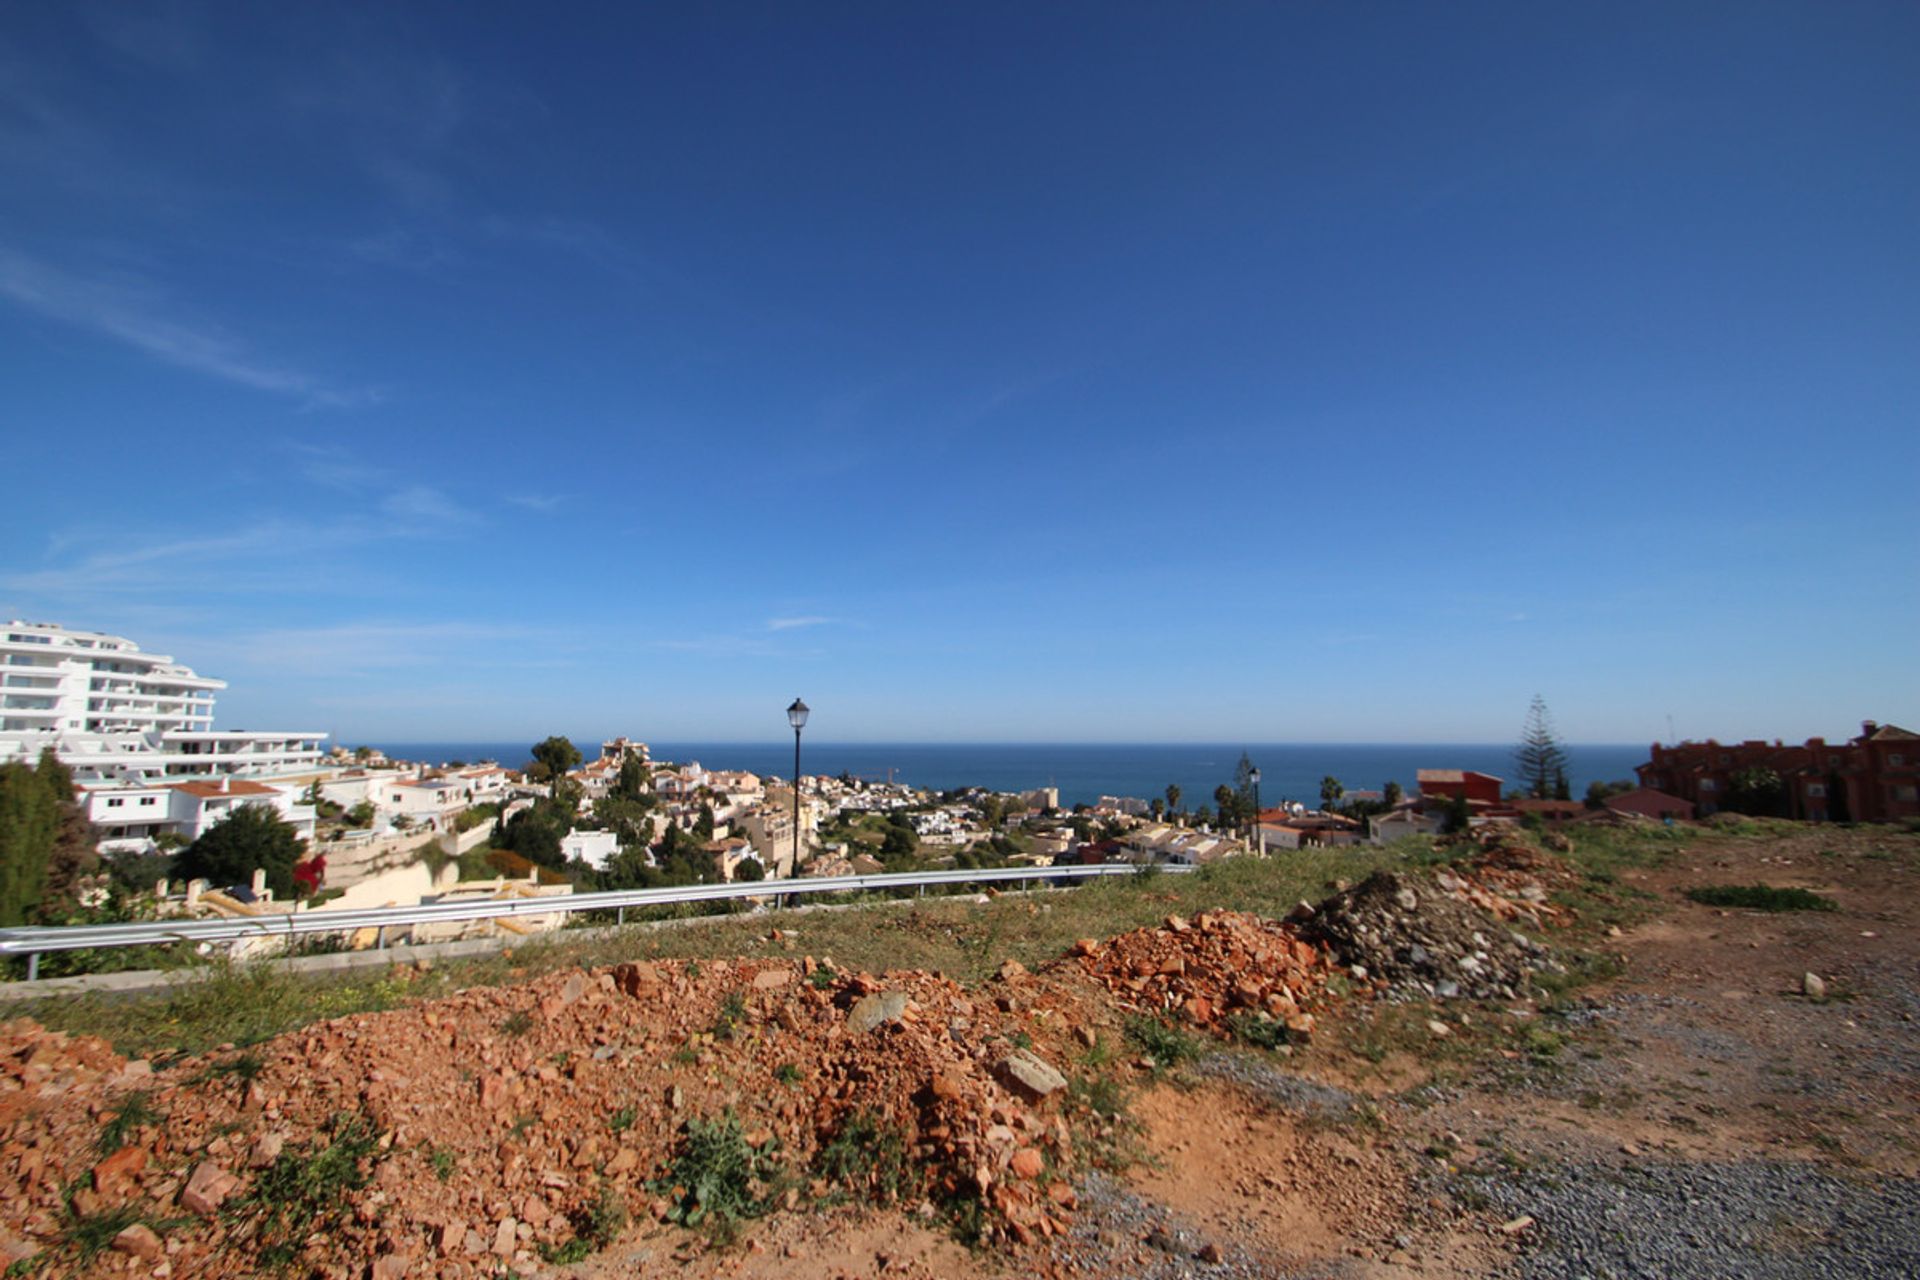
{"x":1761,"y":897}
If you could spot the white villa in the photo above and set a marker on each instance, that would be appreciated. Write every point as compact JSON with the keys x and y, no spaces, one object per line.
{"x":113,"y":714}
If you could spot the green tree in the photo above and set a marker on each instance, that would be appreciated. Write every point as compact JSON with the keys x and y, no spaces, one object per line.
{"x":1562,"y":790}
{"x":632,"y":782}
{"x":901,"y":842}
{"x":1392,"y":794}
{"x":552,"y":758}
{"x":1459,"y":815}
{"x":1173,"y":799}
{"x":703,"y":825}
{"x":1757,"y":792}
{"x":535,"y":834}
{"x":1330,"y":792}
{"x":1157,"y":808}
{"x":75,"y":851}
{"x":29,"y":825}
{"x":1539,"y":758}
{"x":749,"y":869}
{"x":251,"y":838}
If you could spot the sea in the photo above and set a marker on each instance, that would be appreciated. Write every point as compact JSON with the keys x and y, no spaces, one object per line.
{"x":1086,"y":771}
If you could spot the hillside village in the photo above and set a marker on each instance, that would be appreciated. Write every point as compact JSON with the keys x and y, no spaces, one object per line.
{"x":171,"y":817}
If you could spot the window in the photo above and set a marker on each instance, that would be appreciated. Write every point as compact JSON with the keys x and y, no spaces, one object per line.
{"x":1896,"y":760}
{"x":1708,"y":784}
{"x":1816,"y":791}
{"x":115,"y":804}
{"x":1905,"y":795}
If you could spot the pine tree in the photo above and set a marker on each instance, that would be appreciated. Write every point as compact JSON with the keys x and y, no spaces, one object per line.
{"x":1539,"y":758}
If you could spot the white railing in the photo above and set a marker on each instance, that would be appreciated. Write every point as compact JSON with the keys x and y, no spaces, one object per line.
{"x":32,"y":941}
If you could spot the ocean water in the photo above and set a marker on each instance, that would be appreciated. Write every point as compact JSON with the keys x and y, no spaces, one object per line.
{"x":1086,"y":771}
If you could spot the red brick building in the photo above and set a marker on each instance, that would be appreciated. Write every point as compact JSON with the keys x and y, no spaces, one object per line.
{"x":1873,"y":778}
{"x":1450,"y":784}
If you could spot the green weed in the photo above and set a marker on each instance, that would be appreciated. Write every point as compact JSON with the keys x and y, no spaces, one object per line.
{"x":868,"y":1155}
{"x":595,"y":1226}
{"x":131,"y":1112}
{"x":305,"y":1189}
{"x":1167,"y":1045}
{"x":1761,"y":897}
{"x":517,"y":1024}
{"x":733,"y":1011}
{"x":621,"y":1120}
{"x":712,"y":1182}
{"x":443,"y":1163}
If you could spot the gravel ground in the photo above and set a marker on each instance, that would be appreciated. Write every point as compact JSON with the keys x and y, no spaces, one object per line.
{"x":1676,"y":1221}
{"x":1276,"y":1086}
{"x":1120,"y":1234}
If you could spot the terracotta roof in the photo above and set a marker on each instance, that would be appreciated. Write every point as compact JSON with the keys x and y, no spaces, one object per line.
{"x":1892,"y":733}
{"x":233,"y":787}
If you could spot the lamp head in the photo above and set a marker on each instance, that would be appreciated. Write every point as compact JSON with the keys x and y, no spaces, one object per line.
{"x":797,"y":715}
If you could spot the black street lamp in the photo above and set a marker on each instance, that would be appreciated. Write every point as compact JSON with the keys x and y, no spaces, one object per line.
{"x":797,"y":717}
{"x":1259,"y":836}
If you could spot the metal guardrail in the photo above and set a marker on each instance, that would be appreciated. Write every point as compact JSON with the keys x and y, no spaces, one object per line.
{"x":32,"y":941}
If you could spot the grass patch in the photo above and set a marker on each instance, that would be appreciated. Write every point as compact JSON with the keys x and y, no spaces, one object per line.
{"x":305,"y":1189}
{"x":1761,"y":897}
{"x":91,"y":1235}
{"x":868,"y":1157}
{"x":733,"y":1011}
{"x":131,"y":1112}
{"x":517,"y":1024}
{"x":443,"y":1163}
{"x":1262,"y":1033}
{"x":1104,"y":1096}
{"x":1166,"y":1045}
{"x":621,"y":1120}
{"x":595,"y":1226}
{"x":716,"y":1180}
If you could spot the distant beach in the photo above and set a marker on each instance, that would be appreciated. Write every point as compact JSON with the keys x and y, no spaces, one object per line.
{"x":1086,"y":771}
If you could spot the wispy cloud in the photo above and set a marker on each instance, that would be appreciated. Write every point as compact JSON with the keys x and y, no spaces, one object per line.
{"x":357,"y":647}
{"x":537,"y":501}
{"x":424,"y":505}
{"x":134,"y":313}
{"x":794,"y":624}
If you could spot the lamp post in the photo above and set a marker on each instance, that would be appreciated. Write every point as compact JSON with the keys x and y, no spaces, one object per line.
{"x":797,"y":717}
{"x":1260,"y":835}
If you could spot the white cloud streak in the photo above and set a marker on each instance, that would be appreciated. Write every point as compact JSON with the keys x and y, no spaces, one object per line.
{"x":132,"y":314}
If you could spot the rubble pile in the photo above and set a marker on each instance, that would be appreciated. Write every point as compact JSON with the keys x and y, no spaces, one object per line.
{"x":1407,"y":932}
{"x":495,"y":1120}
{"x":489,"y":1130}
{"x":1511,"y":882}
{"x":1212,"y":968}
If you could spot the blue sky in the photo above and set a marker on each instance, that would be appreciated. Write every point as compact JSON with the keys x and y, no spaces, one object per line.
{"x":1060,"y":372}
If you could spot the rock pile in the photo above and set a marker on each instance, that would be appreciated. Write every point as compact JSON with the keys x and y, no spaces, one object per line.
{"x":1207,"y":970}
{"x":1406,"y":932}
{"x":481,"y":1130}
{"x":1511,"y":882}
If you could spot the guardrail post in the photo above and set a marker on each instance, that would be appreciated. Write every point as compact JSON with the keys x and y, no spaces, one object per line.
{"x":621,"y":916}
{"x":33,"y":966}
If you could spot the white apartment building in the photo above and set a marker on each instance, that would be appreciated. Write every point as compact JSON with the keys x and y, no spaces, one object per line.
{"x":131,"y":817}
{"x":115,"y":715}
